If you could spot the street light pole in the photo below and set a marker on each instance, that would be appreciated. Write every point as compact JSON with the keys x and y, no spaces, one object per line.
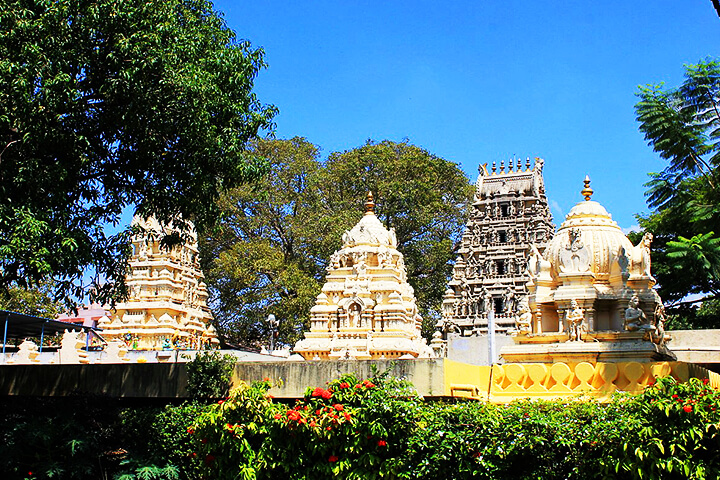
{"x":273,"y":323}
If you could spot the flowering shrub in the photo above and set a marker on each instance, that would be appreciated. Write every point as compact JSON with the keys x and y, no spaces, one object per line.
{"x":672,"y":430}
{"x":351,"y":429}
{"x":376,"y":428}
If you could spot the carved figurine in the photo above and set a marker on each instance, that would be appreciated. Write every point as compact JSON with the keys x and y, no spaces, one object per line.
{"x":523,"y":320}
{"x":635,"y":318}
{"x":658,"y":336}
{"x":641,"y":255}
{"x":575,"y":257}
{"x":575,"y":321}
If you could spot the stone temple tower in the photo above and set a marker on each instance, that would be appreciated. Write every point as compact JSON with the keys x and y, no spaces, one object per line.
{"x":509,"y":219}
{"x":366,"y":309}
{"x":167,"y":305}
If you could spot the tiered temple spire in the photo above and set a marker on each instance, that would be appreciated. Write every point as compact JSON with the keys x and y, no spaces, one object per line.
{"x":510,"y":215}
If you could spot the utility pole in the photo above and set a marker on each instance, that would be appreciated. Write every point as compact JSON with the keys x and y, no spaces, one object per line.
{"x":491,"y":336}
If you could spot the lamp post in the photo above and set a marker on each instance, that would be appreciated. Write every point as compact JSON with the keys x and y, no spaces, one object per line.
{"x":273,"y":323}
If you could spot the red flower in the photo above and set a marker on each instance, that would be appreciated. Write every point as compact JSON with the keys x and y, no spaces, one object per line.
{"x":358,"y":386}
{"x":344,"y":385}
{"x":368,"y":384}
{"x":333,"y":458}
{"x":651,"y":383}
{"x":220,"y":402}
{"x":347,"y":416}
{"x":382,"y":443}
{"x":706,"y":381}
{"x":318,"y":412}
{"x":277,"y":416}
{"x":266,"y":379}
{"x":338,"y":407}
{"x":328,"y":428}
{"x":193,"y":454}
{"x":326,"y":394}
{"x":688,"y":408}
{"x":190,"y":430}
{"x":229,"y":426}
{"x":293,"y":415}
{"x":674,"y":396}
{"x":312,"y":423}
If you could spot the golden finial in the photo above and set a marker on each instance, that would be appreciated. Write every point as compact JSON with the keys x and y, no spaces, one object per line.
{"x":369,"y":204}
{"x":587,"y":191}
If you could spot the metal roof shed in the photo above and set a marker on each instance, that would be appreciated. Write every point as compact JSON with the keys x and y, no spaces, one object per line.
{"x":19,"y":325}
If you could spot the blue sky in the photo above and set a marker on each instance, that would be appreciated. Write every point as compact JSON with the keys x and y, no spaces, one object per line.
{"x":482,"y":81}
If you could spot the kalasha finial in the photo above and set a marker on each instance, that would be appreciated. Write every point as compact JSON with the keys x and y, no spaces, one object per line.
{"x":369,"y":204}
{"x":587,"y":191}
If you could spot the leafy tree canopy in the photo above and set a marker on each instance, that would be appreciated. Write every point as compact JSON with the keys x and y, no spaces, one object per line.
{"x":106,"y":105}
{"x":38,"y":301}
{"x":683,"y":126}
{"x":271,"y":250}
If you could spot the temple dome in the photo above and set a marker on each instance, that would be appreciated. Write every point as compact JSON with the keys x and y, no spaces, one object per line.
{"x":369,"y":230}
{"x":589,"y":240}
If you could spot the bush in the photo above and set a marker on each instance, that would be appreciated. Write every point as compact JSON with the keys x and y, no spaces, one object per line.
{"x":209,"y":375}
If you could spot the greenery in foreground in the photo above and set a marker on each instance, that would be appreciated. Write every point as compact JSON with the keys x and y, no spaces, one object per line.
{"x":364,"y":429}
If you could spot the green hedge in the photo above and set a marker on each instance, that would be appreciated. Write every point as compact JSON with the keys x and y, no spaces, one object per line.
{"x":376,"y":428}
{"x":380,"y":428}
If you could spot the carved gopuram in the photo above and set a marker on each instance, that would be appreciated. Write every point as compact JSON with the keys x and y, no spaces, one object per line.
{"x":366,"y":309}
{"x":166,"y":308}
{"x":509,"y":215}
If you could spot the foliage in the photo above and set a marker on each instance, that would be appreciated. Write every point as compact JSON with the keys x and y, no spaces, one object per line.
{"x":379,"y":428}
{"x":108,"y":105}
{"x":38,"y":301}
{"x":209,"y":375}
{"x":353,"y":429}
{"x":674,"y":432}
{"x":271,"y":253}
{"x":159,"y":442}
{"x":365,"y":429}
{"x":56,"y":437}
{"x":683,"y":126}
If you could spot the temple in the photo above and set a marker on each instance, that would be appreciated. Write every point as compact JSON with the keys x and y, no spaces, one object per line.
{"x":366,"y":309}
{"x":590,"y":296}
{"x":509,"y":213}
{"x":166,"y":307}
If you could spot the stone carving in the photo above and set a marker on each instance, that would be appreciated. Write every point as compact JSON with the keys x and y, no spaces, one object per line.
{"x":658,"y":336}
{"x":27,"y":353}
{"x":575,"y":258}
{"x":575,"y":319}
{"x":71,"y":348}
{"x":509,"y":300}
{"x":523,"y":320}
{"x":635,"y":318}
{"x":641,"y":256}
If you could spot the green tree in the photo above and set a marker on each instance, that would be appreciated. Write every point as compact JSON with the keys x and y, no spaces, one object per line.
{"x":109,"y":105}
{"x":272,"y":249}
{"x":683,"y":126}
{"x":38,"y":300}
